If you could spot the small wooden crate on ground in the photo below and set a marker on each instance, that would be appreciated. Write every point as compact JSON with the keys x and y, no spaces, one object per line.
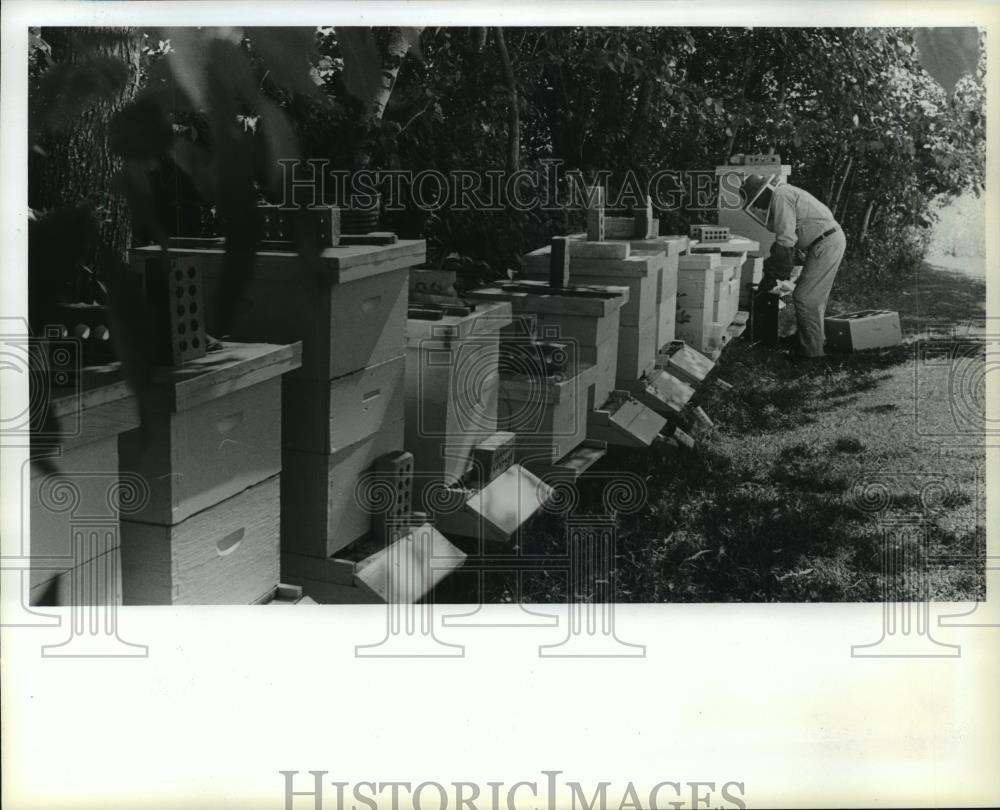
{"x":867,"y":329}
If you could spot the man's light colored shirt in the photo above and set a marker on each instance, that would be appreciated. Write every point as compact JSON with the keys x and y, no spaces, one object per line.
{"x":796,"y":217}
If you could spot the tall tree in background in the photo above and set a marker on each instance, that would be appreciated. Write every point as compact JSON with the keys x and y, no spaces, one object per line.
{"x":86,"y":77}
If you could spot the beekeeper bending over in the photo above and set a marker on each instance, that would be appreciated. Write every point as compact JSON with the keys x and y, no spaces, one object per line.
{"x":799,"y":222}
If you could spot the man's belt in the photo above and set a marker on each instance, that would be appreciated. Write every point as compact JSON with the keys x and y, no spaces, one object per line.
{"x":821,"y":237}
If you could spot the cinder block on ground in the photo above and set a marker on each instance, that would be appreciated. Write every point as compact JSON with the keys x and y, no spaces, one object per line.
{"x":394,"y":473}
{"x":492,"y":456}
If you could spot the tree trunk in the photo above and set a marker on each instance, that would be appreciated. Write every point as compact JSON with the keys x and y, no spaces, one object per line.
{"x":847,"y":198}
{"x":639,"y":118}
{"x":834,"y":169}
{"x":840,"y":187}
{"x":76,"y":165}
{"x":866,"y":220}
{"x":372,"y":58}
{"x":513,"y":111}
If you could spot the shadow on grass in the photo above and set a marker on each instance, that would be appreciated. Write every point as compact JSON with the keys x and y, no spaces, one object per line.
{"x":771,"y":390}
{"x":930,"y":295}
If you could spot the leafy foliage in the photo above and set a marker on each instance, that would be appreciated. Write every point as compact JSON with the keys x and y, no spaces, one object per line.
{"x":863,"y":124}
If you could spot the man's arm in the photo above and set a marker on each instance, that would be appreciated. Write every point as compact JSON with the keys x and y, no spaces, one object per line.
{"x":782,"y":259}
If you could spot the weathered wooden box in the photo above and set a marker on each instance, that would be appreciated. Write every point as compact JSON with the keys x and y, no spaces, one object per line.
{"x":349,"y":311}
{"x":216,"y":430}
{"x":636,"y":351}
{"x":585,"y":318}
{"x":326,"y":503}
{"x":671,"y":246}
{"x":640,"y":272}
{"x":452,"y":387}
{"x":868,"y":329}
{"x":548,"y":414}
{"x":227,"y":554}
{"x":442,"y":434}
{"x":75,"y":507}
{"x":324,"y":417}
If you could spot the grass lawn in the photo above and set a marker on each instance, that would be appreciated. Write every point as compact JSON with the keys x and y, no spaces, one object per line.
{"x":780,"y":501}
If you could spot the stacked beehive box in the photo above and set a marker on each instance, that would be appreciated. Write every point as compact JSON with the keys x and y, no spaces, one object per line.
{"x":640,"y":271}
{"x":700,"y":281}
{"x":586,"y":320}
{"x":748,"y":265}
{"x":210,"y":453}
{"x":672,"y":247}
{"x":642,"y":233}
{"x":345,"y":406}
{"x":452,"y":387}
{"x":76,"y":503}
{"x":465,"y":471}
